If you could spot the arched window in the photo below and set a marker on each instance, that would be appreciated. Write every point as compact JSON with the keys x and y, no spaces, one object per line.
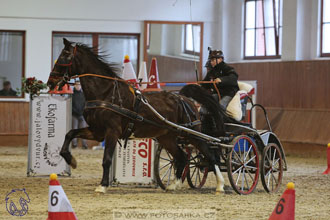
{"x":262,"y":29}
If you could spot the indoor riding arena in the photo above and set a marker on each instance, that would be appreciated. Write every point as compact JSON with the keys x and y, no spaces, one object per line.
{"x":117,"y":109}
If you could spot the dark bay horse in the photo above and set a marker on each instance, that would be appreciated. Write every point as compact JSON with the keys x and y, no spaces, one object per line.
{"x":112,"y":106}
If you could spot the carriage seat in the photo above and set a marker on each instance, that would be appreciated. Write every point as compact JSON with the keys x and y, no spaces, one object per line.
{"x":236,"y":108}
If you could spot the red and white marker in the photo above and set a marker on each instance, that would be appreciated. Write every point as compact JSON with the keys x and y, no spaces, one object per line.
{"x":284,"y":209}
{"x":153,"y":75}
{"x":327,"y":171}
{"x":59,"y":207}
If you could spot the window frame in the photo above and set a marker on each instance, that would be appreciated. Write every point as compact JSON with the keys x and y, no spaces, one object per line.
{"x":95,"y":41}
{"x":22,"y":94}
{"x":148,"y":36}
{"x":276,"y":35}
{"x":190,"y":52}
{"x":322,"y":54}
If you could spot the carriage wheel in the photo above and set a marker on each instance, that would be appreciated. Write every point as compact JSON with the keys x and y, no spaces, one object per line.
{"x":243,"y":165}
{"x":164,"y":168}
{"x":198,"y":169}
{"x":271,"y":168}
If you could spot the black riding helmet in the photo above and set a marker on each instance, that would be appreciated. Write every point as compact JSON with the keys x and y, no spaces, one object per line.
{"x":213,"y":54}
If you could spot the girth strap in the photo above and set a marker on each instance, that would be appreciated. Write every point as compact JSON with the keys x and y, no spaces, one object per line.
{"x":128,"y":131}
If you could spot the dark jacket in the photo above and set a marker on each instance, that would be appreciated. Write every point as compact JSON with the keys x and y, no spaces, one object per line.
{"x":228,"y":85}
{"x":10,"y":92}
{"x":78,"y":103}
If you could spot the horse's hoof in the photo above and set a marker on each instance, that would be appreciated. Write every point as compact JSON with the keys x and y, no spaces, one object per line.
{"x":171,"y":187}
{"x":101,"y":189}
{"x":218,"y":192}
{"x":73,"y":163}
{"x":174,"y":186}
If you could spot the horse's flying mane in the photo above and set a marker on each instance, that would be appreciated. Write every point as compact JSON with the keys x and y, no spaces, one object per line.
{"x":110,"y":68}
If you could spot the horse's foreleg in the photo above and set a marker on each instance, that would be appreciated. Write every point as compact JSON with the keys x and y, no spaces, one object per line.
{"x":84,"y":133}
{"x":110,"y":145}
{"x":180,"y":159}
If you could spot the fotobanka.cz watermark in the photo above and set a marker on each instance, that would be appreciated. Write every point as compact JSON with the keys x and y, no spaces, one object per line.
{"x":17,"y":202}
{"x":160,"y":214}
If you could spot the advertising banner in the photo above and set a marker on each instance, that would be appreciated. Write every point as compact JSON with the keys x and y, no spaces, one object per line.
{"x":135,"y":163}
{"x":50,"y":120}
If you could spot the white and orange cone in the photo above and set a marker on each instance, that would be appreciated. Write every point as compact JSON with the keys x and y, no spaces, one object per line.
{"x":153,"y":76}
{"x":143,"y":76}
{"x":59,"y":207}
{"x":128,"y":72}
{"x":284,"y":209}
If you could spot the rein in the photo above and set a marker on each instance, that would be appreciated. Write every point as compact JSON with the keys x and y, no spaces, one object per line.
{"x":101,"y":76}
{"x":134,"y":83}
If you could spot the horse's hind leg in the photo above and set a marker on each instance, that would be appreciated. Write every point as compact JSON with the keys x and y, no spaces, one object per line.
{"x":204,"y":148}
{"x":110,"y":145}
{"x":84,"y":133}
{"x":180,"y":159}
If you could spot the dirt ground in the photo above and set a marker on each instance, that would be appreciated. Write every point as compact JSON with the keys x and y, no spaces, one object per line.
{"x":312,"y":193}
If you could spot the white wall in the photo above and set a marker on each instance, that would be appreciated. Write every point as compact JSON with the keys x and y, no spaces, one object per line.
{"x":300,"y":37}
{"x":39,"y":18}
{"x":223,"y":24}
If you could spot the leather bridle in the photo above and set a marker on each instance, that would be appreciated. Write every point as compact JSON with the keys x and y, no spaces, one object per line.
{"x":65,"y":77}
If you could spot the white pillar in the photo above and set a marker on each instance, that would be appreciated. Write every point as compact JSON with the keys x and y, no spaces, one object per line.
{"x":232,"y":20}
{"x":289,"y":30}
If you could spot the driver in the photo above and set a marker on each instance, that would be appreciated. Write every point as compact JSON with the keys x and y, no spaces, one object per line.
{"x":223,"y":75}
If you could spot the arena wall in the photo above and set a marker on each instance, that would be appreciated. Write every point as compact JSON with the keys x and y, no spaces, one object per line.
{"x":295,"y":93}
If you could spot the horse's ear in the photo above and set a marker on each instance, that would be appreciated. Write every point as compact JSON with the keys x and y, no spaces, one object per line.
{"x":66,"y":42}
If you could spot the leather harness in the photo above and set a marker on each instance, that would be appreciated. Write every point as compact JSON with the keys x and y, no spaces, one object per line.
{"x":134,"y":116}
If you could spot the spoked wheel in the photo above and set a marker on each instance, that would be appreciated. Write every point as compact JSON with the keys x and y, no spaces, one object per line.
{"x":271,"y":168}
{"x":198,"y":169}
{"x":164,"y":168}
{"x":243,"y":165}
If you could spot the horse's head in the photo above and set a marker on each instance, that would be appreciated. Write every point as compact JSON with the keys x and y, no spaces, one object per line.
{"x":64,"y":67}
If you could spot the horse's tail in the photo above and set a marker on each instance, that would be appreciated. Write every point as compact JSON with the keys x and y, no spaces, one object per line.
{"x":203,"y":97}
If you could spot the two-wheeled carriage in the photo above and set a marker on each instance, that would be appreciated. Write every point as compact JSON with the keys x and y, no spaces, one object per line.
{"x":253,"y":153}
{"x":115,"y":110}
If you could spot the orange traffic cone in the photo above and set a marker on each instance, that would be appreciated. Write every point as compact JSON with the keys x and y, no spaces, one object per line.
{"x":128,"y":72}
{"x":143,"y":77}
{"x":327,"y":171}
{"x":153,"y":76}
{"x":66,"y":89}
{"x":59,"y":207}
{"x":285,"y":207}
